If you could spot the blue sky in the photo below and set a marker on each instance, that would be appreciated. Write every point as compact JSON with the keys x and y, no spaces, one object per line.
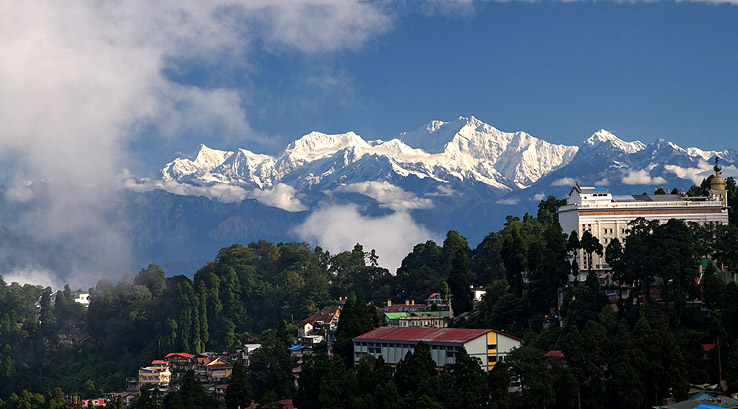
{"x":96,"y":92}
{"x":559,"y":71}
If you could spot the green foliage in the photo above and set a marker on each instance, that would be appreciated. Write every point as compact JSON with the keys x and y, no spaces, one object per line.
{"x":239,"y":393}
{"x":270,"y":370}
{"x":465,"y":383}
{"x":528,"y":366}
{"x":458,"y":282}
{"x":356,"y":318}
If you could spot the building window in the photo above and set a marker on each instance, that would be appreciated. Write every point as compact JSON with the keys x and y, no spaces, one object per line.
{"x":491,"y":346}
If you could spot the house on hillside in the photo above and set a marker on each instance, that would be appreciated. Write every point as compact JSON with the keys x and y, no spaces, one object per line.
{"x":438,"y":301}
{"x":247,"y":351}
{"x":180,"y":363}
{"x":431,"y":319}
{"x":392,"y":343}
{"x":96,"y":403}
{"x":409,"y":306}
{"x":319,"y":326}
{"x":154,"y":376}
{"x":218,"y":370}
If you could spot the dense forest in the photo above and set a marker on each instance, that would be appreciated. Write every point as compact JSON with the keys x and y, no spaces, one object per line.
{"x":649,"y":347}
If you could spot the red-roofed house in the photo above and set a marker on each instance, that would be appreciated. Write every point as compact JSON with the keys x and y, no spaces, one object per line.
{"x":554,"y":353}
{"x":180,"y":363}
{"x":392,"y":343}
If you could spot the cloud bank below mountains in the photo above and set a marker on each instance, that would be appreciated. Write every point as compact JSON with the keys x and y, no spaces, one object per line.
{"x":338,"y":228}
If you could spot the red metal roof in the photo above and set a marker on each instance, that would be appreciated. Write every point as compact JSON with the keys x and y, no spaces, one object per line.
{"x":159,"y":362}
{"x":182,"y":354}
{"x":447,"y":335}
{"x":554,"y":353}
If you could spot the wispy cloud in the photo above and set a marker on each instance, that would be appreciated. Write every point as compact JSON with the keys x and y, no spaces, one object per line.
{"x":509,"y":202}
{"x":641,"y":177}
{"x":34,"y":275}
{"x":564,"y":182}
{"x":338,"y":228}
{"x":282,"y":196}
{"x":702,"y":171}
{"x":388,"y":195}
{"x":442,"y":191}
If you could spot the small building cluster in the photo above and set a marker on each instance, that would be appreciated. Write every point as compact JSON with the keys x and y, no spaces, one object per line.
{"x":212,"y":369}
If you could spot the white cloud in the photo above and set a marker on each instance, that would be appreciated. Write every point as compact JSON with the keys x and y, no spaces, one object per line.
{"x":282,"y":196}
{"x":538,"y":197}
{"x":641,"y":177}
{"x":442,"y":191}
{"x":83,"y":80}
{"x":338,"y":228}
{"x":702,"y":171}
{"x":20,"y":190}
{"x":34,"y":276}
{"x":509,"y":201}
{"x":564,"y":182}
{"x":388,"y":195}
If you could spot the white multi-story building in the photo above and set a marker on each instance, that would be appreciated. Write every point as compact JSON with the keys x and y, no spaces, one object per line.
{"x":606,"y":216}
{"x":392,"y":343}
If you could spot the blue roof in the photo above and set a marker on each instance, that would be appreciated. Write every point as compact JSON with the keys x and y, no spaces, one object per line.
{"x":706,"y":406}
{"x":600,"y":188}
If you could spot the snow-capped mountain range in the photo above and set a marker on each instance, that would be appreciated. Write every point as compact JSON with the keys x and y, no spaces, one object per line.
{"x":462,"y":152}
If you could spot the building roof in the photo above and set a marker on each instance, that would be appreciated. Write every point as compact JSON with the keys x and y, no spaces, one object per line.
{"x":440,"y":335}
{"x":718,"y":402}
{"x":404,"y":308}
{"x":398,"y":315}
{"x":592,"y":189}
{"x":218,"y":363}
{"x":159,"y":362}
{"x":327,"y":314}
{"x":179,"y":354}
{"x":555,"y":353}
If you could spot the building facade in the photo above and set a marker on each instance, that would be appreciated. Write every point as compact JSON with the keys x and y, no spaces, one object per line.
{"x":606,"y":216}
{"x":392,"y":343}
{"x":154,"y":376}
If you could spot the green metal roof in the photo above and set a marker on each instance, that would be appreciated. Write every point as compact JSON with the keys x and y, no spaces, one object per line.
{"x":398,"y":315}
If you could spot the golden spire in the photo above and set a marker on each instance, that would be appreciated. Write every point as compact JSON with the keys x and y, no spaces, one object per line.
{"x":717,"y":185}
{"x":717,"y":182}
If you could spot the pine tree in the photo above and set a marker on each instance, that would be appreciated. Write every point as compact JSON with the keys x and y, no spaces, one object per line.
{"x":239,"y":393}
{"x":458,"y":282}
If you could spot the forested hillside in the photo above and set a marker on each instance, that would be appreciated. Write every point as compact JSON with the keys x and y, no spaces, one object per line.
{"x":645,"y":351}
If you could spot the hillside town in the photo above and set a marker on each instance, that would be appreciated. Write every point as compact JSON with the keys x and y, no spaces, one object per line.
{"x":448,"y":331}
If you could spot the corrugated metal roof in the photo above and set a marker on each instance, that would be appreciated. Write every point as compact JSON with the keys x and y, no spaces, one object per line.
{"x":441,"y":335}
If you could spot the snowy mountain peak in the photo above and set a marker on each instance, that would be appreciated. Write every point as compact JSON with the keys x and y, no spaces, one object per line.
{"x":466,"y":150}
{"x":318,"y":141}
{"x":607,"y":138}
{"x":207,"y":159}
